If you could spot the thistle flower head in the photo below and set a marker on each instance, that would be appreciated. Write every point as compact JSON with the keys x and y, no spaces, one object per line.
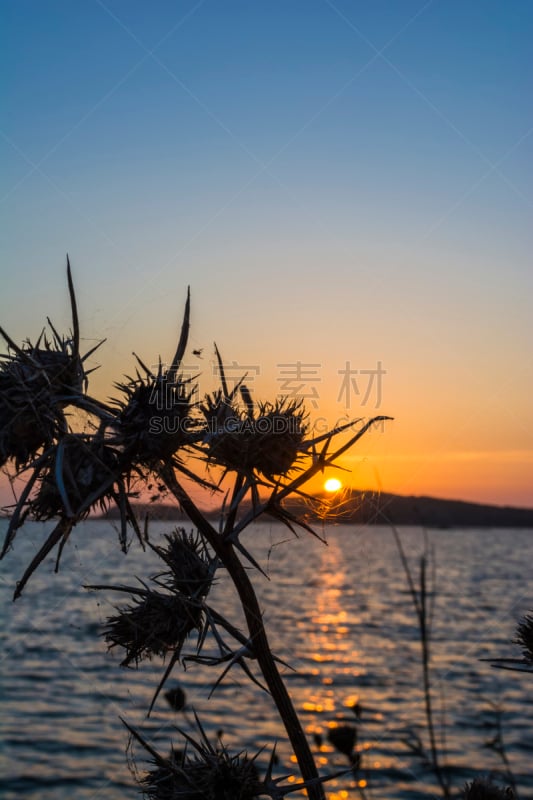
{"x":28,"y":419}
{"x":37,"y":381}
{"x":206,"y":776}
{"x":158,"y":621}
{"x":154,"y":414}
{"x":154,"y":624}
{"x":153,"y":420}
{"x":484,"y":789}
{"x":52,"y":365}
{"x":190,"y":564}
{"x":80,"y":471}
{"x":524,"y":637}
{"x":209,"y":773}
{"x":282,"y":428}
{"x":263,"y":441}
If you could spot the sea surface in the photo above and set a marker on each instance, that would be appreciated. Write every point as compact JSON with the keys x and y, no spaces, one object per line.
{"x":339,"y":613}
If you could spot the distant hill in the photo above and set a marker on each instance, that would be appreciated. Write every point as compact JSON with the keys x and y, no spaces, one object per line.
{"x":380,"y":508}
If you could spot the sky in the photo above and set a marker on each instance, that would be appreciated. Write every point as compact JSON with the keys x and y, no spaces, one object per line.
{"x":345,"y":186}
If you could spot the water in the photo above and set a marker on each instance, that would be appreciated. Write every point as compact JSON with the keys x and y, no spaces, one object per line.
{"x":341,"y":615}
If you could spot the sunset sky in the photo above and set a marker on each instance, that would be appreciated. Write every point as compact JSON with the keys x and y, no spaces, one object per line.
{"x":346,"y":187}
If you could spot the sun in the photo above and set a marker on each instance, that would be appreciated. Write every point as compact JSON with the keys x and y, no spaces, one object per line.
{"x":332,"y":485}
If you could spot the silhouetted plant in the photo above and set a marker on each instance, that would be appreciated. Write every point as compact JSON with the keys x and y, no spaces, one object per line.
{"x":523,"y":638}
{"x":343,"y":738}
{"x":497,"y":745}
{"x":480,"y":788}
{"x":485,"y":789}
{"x":148,"y":436}
{"x":36,"y":383}
{"x":209,"y":772}
{"x":424,"y":613}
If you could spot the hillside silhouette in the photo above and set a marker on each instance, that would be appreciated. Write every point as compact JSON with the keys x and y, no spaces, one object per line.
{"x":379,"y":508}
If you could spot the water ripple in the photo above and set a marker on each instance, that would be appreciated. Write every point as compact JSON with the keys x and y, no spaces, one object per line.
{"x":341,"y":615}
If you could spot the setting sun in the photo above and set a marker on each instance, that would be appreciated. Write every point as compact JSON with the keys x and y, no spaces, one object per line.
{"x":332,"y":485}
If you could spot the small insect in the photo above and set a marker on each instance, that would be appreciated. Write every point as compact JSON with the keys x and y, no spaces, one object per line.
{"x":198,"y":353}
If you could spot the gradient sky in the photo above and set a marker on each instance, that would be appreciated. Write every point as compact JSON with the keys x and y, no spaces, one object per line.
{"x":340,"y":183}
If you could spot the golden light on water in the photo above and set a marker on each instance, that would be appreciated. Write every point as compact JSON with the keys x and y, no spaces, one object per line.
{"x":332,"y":485}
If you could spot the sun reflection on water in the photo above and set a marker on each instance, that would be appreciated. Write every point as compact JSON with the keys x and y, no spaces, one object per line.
{"x":331,"y":642}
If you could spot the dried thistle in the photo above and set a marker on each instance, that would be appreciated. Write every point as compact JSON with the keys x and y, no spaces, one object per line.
{"x":280,"y":428}
{"x":79,"y":472}
{"x":153,"y":420}
{"x":484,"y":789}
{"x":524,"y":637}
{"x":69,"y":473}
{"x":209,"y":776}
{"x":191,"y":567}
{"x":145,"y":432}
{"x":154,"y":414}
{"x":264,"y":441}
{"x":210,"y":773}
{"x":154,"y":624}
{"x":70,"y":479}
{"x":29,"y":420}
{"x":158,"y":622}
{"x":37,"y":381}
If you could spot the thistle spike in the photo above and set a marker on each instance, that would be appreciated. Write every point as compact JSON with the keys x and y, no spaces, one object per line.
{"x":184,"y":337}
{"x":74,"y":307}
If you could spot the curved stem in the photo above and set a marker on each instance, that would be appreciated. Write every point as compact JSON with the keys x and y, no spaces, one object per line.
{"x":261,"y":647}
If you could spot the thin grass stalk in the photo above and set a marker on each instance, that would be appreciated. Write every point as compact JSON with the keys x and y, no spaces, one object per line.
{"x":424,"y":640}
{"x":225,"y":552}
{"x":497,"y":744}
{"x":419,"y":599}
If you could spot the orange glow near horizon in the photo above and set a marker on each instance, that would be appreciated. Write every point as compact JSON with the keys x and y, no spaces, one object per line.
{"x":417,"y":453}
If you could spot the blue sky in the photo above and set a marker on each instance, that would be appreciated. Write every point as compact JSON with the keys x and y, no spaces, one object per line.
{"x":337,"y":181}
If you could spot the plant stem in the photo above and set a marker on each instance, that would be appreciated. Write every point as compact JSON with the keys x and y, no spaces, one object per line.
{"x":424,"y":639}
{"x":419,"y":601}
{"x":258,"y":638}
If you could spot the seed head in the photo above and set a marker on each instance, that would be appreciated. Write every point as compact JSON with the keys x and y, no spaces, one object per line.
{"x":79,"y":473}
{"x":154,"y":624}
{"x":264,"y":442}
{"x":189,"y":561}
{"x":153,"y":420}
{"x":524,"y":637}
{"x":484,"y":789}
{"x":37,"y":381}
{"x":208,"y":775}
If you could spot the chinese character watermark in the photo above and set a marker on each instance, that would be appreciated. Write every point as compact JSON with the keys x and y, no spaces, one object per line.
{"x":350,"y":385}
{"x":235,"y":373}
{"x":166,"y":392}
{"x":296,"y":380}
